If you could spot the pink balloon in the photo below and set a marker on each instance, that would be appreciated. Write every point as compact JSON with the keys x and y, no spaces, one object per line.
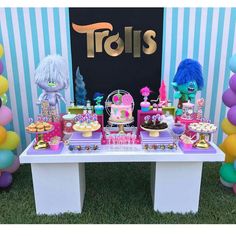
{"x":5,"y":115}
{"x":14,"y":167}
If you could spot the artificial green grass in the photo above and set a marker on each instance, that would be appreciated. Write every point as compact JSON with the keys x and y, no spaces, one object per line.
{"x":119,"y":193}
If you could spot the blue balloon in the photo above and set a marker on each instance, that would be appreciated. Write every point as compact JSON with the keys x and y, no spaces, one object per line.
{"x":6,"y":159}
{"x":232,"y":63}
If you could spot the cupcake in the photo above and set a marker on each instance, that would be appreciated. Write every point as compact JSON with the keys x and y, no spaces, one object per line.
{"x":81,"y":125}
{"x":88,"y":126}
{"x":94,"y":124}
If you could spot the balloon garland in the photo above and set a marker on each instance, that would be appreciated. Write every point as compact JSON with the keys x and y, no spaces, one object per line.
{"x":9,"y":140}
{"x":228,"y":168}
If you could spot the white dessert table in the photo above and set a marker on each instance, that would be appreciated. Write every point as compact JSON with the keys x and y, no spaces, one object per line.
{"x":59,"y":179}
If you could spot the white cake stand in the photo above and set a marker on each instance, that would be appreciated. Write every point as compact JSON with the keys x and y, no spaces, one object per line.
{"x":121,"y":124}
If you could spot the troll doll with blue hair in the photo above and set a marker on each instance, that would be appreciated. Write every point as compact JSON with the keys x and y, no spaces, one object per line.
{"x":187,"y":81}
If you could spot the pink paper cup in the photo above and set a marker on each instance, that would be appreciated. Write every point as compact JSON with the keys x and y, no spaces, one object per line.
{"x":54,"y":147}
{"x":187,"y":145}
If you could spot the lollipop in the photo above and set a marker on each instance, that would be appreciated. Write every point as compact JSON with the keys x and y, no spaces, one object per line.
{"x":146,"y":119}
{"x":95,"y":117}
{"x":31,"y":120}
{"x":154,"y":119}
{"x":158,"y":117}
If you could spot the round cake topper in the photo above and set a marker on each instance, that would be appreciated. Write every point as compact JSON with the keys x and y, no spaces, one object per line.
{"x":127,"y":99}
{"x":117,"y":96}
{"x":117,"y":99}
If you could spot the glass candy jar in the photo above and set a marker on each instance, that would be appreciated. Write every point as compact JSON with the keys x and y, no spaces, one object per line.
{"x":68,"y":122}
{"x":188,"y":111}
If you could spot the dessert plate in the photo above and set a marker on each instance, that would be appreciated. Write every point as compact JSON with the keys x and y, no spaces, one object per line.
{"x":85,"y":131}
{"x":153,"y":132}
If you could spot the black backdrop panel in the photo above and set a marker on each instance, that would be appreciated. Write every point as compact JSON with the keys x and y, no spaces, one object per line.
{"x":105,"y":73}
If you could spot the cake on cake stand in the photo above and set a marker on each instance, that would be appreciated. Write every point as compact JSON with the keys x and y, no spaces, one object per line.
{"x":119,"y":106}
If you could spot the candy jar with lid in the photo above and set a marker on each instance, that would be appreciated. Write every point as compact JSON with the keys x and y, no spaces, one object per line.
{"x":188,"y":110}
{"x":68,"y":122}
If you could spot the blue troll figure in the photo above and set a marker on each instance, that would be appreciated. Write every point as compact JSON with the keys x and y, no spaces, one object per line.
{"x":97,"y":97}
{"x":187,"y":81}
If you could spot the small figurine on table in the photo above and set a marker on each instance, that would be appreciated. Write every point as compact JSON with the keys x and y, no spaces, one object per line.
{"x":97,"y":97}
{"x":145,"y":92}
{"x":187,"y":81}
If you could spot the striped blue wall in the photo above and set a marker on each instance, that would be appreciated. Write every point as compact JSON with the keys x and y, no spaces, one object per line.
{"x":207,"y":35}
{"x":29,"y":34}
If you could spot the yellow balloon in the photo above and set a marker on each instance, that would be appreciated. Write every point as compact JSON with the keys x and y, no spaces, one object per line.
{"x":230,"y":145}
{"x":221,"y":146}
{"x":11,"y":142}
{"x":227,"y":127}
{"x":1,"y":50}
{"x":3,"y":134}
{"x":3,"y":85}
{"x":229,"y":159}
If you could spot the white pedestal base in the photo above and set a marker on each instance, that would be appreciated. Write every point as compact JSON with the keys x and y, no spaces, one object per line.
{"x":176,"y":186}
{"x":58,"y":188}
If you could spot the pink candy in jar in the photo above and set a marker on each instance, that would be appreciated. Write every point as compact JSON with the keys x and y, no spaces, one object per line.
{"x":68,"y":122}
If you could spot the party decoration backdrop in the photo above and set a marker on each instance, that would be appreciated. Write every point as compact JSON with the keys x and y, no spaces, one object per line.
{"x":29,"y":34}
{"x":136,"y":59}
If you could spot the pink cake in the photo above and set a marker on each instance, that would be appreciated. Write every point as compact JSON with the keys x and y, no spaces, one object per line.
{"x":121,"y":113}
{"x":121,"y":108}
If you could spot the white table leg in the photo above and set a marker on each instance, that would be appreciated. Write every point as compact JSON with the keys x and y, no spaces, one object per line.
{"x":176,"y":186}
{"x":58,"y":188}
